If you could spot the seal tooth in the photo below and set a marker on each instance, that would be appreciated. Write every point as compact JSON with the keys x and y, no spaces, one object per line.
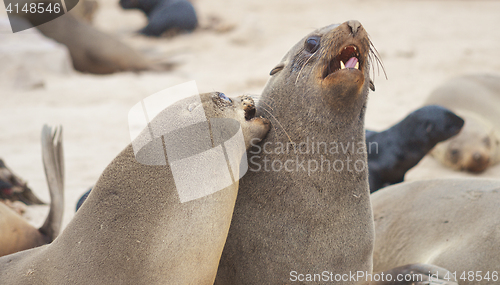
{"x":342,"y":65}
{"x":357,"y":65}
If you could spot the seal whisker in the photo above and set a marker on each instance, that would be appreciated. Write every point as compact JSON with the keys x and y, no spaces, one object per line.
{"x":258,"y":98}
{"x":267,"y":105}
{"x":374,"y":54}
{"x":305,"y":63}
{"x":278,"y":123}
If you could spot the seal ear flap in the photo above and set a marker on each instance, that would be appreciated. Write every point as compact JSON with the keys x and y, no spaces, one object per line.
{"x":278,"y":68}
{"x":372,"y":86}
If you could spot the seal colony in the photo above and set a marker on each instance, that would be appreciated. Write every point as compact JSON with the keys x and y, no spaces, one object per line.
{"x":476,"y":98}
{"x":391,"y":153}
{"x":287,"y":221}
{"x":133,"y":229}
{"x":16,"y":233}
{"x":459,"y":233}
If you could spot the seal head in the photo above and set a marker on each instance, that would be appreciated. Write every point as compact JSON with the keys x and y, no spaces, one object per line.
{"x":391,"y":153}
{"x":330,"y":65}
{"x":474,"y":149}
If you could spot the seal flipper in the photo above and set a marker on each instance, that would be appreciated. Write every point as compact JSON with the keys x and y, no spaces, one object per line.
{"x":421,"y":274}
{"x":53,"y":163}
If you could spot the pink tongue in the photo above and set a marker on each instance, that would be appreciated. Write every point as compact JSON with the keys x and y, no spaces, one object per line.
{"x":351,"y":62}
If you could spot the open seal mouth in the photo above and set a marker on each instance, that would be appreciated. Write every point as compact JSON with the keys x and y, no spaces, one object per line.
{"x":347,"y":58}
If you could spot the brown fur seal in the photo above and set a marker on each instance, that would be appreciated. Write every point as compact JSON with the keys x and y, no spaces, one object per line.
{"x":17,"y":234}
{"x":476,"y":98}
{"x":91,"y":50}
{"x":287,"y":218}
{"x":133,"y":228}
{"x":452,"y":223}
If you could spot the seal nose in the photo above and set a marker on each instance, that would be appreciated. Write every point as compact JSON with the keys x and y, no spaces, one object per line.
{"x":354,"y":26}
{"x":477,"y":157}
{"x":479,"y":162}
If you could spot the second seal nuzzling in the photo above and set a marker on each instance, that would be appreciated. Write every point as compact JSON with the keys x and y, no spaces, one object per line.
{"x":135,"y":227}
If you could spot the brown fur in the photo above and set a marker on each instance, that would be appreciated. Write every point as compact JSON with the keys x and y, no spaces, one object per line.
{"x":133,"y":230}
{"x":91,"y":50}
{"x":286,"y":221}
{"x":16,"y":233}
{"x":452,"y":223}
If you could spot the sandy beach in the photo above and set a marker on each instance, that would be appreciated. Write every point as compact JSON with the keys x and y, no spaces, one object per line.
{"x":421,"y":44}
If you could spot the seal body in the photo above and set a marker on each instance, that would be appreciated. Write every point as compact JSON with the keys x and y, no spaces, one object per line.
{"x":133,"y":228}
{"x":16,"y":233}
{"x":452,"y":223}
{"x":91,"y":50}
{"x":164,"y":15}
{"x":391,"y":153}
{"x":476,"y":98}
{"x":291,"y":217}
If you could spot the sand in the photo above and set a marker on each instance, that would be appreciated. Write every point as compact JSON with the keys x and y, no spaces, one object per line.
{"x":421,"y":43}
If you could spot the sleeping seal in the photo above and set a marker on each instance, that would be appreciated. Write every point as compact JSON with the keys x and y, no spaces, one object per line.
{"x":476,"y":98}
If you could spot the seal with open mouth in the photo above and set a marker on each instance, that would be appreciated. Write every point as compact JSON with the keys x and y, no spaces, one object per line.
{"x":134,"y":228}
{"x":288,"y":220}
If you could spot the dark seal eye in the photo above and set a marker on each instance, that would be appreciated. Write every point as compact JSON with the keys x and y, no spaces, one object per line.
{"x":224,"y":97}
{"x":312,"y":44}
